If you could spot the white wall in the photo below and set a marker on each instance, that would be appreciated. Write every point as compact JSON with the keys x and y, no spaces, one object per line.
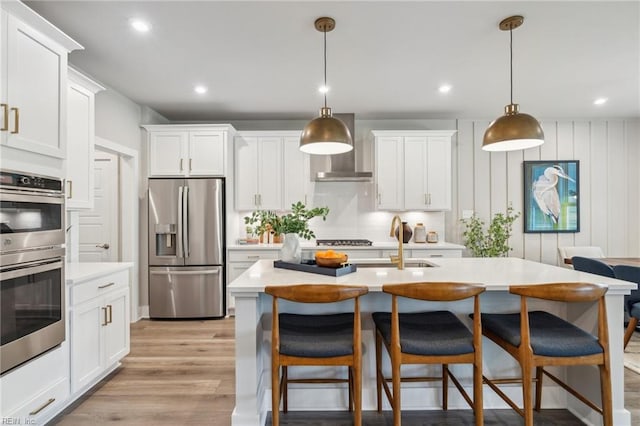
{"x":609,"y":155}
{"x":118,"y":119}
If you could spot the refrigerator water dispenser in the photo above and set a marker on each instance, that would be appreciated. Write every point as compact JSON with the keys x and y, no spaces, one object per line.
{"x":166,"y":239}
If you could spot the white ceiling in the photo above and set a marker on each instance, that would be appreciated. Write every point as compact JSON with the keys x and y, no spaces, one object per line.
{"x":386,"y":59}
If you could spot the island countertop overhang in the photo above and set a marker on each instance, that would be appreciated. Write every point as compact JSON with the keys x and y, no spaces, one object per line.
{"x":497,"y":274}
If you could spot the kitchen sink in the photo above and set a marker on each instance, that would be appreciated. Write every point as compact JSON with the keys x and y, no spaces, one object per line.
{"x":387,"y":264}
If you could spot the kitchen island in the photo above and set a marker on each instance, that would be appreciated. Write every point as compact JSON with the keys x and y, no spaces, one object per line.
{"x":253,"y":323}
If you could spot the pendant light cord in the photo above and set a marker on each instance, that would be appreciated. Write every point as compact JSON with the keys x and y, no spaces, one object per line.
{"x":325,"y":68}
{"x":510,"y":60}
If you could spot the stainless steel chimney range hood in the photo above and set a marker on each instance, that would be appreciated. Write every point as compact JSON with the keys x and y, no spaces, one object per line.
{"x":339,"y":167}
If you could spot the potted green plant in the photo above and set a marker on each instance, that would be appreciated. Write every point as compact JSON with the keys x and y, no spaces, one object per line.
{"x":495,"y":241}
{"x":260,"y":222}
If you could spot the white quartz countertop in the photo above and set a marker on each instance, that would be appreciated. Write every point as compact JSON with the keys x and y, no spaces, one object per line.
{"x":79,"y":272}
{"x":495,"y":273}
{"x":377,"y":245}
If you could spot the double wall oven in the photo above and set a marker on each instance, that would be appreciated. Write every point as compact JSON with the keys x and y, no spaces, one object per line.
{"x":32,"y":280}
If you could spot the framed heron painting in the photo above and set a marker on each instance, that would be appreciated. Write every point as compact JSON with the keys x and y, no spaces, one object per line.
{"x":551,"y":196}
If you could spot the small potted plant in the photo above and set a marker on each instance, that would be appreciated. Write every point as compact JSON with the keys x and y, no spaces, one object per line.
{"x":296,"y":224}
{"x":493,"y":243}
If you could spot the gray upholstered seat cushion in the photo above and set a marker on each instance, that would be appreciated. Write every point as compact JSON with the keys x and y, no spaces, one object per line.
{"x":428,"y":333}
{"x":316,"y":336}
{"x":550,"y":335}
{"x":635,"y":310}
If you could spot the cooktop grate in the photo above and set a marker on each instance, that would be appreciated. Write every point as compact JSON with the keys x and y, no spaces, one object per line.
{"x":344,"y":242}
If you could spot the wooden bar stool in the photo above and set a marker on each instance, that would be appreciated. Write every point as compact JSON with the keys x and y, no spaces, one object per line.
{"x":538,"y":339}
{"x":317,"y":340}
{"x":437,"y":337}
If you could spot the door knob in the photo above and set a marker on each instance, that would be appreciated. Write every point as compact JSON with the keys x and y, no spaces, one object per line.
{"x":104,"y":246}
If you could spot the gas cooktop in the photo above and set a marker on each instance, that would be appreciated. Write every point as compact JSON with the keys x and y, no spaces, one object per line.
{"x":344,"y":242}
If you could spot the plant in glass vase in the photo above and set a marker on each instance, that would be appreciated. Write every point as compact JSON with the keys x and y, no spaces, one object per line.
{"x":493,"y":243}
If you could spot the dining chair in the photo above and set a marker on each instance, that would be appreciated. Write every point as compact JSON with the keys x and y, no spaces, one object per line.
{"x":316,"y":340}
{"x":432,"y":337}
{"x":537,"y":339}
{"x":592,"y":266}
{"x":632,"y":301}
{"x":567,"y":252}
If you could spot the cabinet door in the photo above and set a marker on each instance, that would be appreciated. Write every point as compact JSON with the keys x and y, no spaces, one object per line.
{"x":438,"y":170}
{"x":389,"y":177}
{"x":296,"y":173}
{"x":87,"y":347}
{"x":36,"y":91}
{"x":270,"y":173}
{"x":206,"y":153}
{"x":416,"y":195}
{"x":168,"y":154}
{"x":116,"y":333}
{"x":80,"y":144}
{"x":246,"y":173}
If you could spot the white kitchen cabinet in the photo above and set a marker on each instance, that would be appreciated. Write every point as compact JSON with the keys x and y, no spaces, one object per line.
{"x":413,"y":170}
{"x":34,"y":82}
{"x":35,"y":392}
{"x":296,"y":177}
{"x":427,"y":173}
{"x":99,"y":327}
{"x":239,"y":261}
{"x":188,"y":150}
{"x":81,"y":92}
{"x":388,"y":173}
{"x":271,"y":172}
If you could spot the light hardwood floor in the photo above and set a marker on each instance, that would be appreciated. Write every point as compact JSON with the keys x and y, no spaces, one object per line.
{"x":182,"y":373}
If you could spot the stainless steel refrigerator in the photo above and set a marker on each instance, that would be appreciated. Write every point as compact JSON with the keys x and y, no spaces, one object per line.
{"x":186,"y":248}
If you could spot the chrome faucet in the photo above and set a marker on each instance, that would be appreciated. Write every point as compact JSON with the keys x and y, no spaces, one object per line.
{"x":399,"y":259}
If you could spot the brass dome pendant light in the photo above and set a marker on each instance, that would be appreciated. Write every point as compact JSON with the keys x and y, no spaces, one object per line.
{"x":325,"y":134}
{"x":514,"y":130}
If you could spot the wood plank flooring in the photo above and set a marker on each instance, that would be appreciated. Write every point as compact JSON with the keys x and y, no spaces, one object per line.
{"x":182,"y":372}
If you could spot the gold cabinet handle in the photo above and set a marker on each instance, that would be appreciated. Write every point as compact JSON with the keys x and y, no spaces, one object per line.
{"x":104,"y":310}
{"x":181,"y":169}
{"x":42,"y":407}
{"x":110,"y":308}
{"x":5,"y":117}
{"x":190,"y":164}
{"x":70,"y":182}
{"x":16,"y":120}
{"x":106,"y":285}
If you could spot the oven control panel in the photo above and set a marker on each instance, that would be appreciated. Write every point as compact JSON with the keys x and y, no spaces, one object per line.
{"x":24,"y":181}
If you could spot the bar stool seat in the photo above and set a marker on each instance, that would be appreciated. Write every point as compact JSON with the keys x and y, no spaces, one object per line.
{"x":445,"y":335}
{"x":316,"y":336}
{"x":550,"y":335}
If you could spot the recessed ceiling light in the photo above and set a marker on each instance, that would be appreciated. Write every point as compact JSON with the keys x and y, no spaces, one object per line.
{"x":140,"y":26}
{"x":600,"y":101}
{"x":445,"y":88}
{"x":323,"y":89}
{"x":200,"y":90}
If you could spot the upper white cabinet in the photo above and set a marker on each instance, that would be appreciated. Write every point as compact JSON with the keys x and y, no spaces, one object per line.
{"x":413,"y":169}
{"x":188,"y":150}
{"x":34,"y":82}
{"x":271,"y":172}
{"x":81,"y":92}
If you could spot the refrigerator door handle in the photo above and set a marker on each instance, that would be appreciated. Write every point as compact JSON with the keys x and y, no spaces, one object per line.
{"x":179,"y":236}
{"x":185,"y":221}
{"x":214,"y":271}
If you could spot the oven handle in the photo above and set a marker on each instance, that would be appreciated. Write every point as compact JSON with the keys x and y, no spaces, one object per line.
{"x":31,"y":197}
{"x":29,"y":268}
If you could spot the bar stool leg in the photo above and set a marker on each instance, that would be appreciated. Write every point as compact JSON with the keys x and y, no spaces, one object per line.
{"x":379,"y":371}
{"x":527,"y":382}
{"x":445,"y":387}
{"x":275,"y":393}
{"x":397,"y":412}
{"x":285,"y":389}
{"x":357,"y":391}
{"x":350,"y":371}
{"x":605,"y":389}
{"x":477,"y":391}
{"x":539,"y":376}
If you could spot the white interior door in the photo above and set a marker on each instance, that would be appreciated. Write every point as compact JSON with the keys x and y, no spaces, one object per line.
{"x":99,"y":227}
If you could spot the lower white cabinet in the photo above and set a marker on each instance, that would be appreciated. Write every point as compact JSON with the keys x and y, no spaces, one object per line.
{"x":239,"y":261}
{"x":99,"y":327}
{"x":36,"y":392}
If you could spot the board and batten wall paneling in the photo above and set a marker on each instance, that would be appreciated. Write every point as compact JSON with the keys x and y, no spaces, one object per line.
{"x":609,"y":154}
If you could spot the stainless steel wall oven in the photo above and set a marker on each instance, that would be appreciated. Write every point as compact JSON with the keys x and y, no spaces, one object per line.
{"x":32,"y":281}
